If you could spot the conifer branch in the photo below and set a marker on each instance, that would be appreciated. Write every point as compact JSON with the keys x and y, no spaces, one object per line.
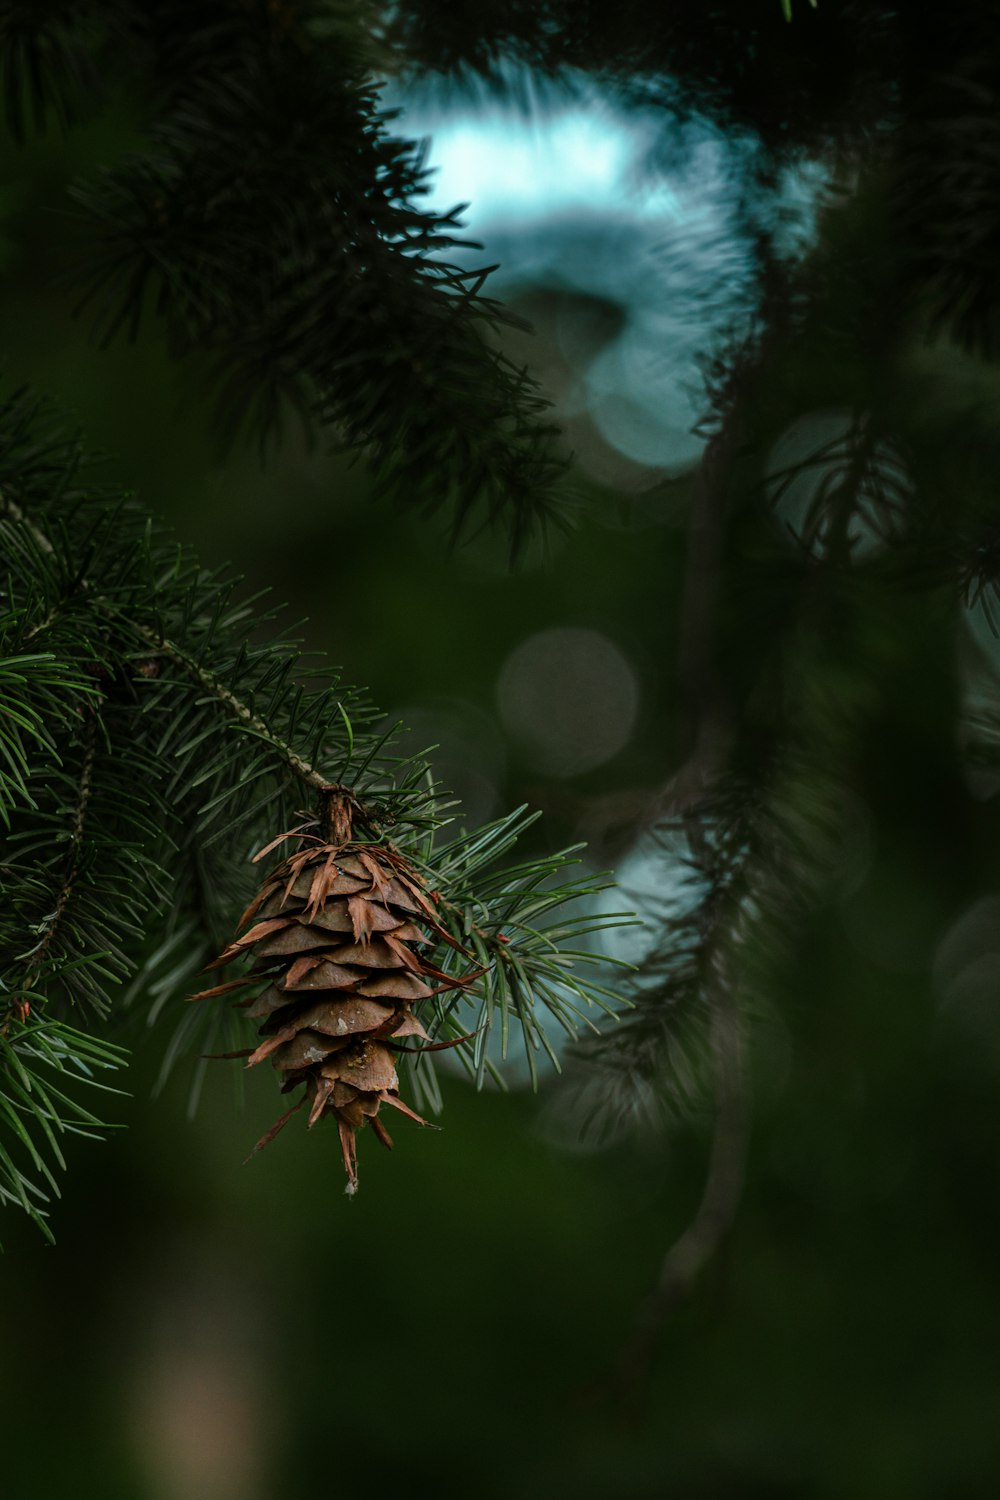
{"x":702,"y":1240}
{"x":706,"y":982}
{"x":165,"y":648}
{"x":44,"y":1066}
{"x":272,"y":220}
{"x":200,"y":674}
{"x":38,"y":954}
{"x":211,"y":683}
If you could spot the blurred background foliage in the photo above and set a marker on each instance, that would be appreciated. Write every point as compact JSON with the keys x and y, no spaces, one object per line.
{"x":794,"y":201}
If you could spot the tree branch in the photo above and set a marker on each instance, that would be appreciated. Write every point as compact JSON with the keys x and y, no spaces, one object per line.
{"x":208,"y":680}
{"x":200,"y":674}
{"x":704,"y":1237}
{"x":38,"y":954}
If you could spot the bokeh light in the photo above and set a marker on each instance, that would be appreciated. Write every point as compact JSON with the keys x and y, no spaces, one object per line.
{"x":469,"y":757}
{"x":966,"y":975}
{"x":569,"y":189}
{"x":569,"y":699}
{"x":204,"y":1416}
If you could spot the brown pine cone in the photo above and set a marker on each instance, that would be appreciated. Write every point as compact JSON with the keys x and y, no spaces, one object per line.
{"x":336,"y":948}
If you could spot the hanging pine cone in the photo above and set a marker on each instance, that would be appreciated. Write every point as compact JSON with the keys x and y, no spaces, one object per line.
{"x":336,"y":955}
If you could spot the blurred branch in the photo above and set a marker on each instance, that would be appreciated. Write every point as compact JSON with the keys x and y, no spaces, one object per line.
{"x":707,"y":1232}
{"x":730,"y":384}
{"x":691,"y":975}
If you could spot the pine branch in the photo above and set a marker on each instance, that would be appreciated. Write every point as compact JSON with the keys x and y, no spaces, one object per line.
{"x":244,"y":715}
{"x":272,"y":220}
{"x":704,"y":1237}
{"x":175,"y":743}
{"x":945,"y":199}
{"x":35,"y":959}
{"x":44,"y":1067}
{"x":526,"y":928}
{"x":26,"y":681}
{"x":827,"y":77}
{"x":48,"y":62}
{"x":746,"y":827}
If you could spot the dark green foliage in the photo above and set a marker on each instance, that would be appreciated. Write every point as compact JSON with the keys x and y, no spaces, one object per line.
{"x":272,"y":219}
{"x":827,"y":576}
{"x":796,"y":85}
{"x":38,"y":1064}
{"x":155,"y":728}
{"x":515,"y":921}
{"x":948,"y":215}
{"x":48,"y":62}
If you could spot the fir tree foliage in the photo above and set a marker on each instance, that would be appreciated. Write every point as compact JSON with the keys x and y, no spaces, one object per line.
{"x":795,"y":86}
{"x":842,"y":520}
{"x":826,"y":575}
{"x":154,"y":732}
{"x":271,"y":218}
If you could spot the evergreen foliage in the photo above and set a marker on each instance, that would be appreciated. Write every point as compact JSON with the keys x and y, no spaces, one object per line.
{"x":841,"y":519}
{"x":271,"y":218}
{"x":153,"y":733}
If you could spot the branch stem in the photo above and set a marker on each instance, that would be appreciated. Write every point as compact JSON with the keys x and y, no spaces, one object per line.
{"x":200,"y":674}
{"x":211,"y":683}
{"x":38,"y":954}
{"x":707,"y":1232}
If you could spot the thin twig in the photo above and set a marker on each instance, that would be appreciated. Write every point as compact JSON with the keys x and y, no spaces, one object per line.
{"x":704,"y":1237}
{"x":709,"y":714}
{"x":707,"y":709}
{"x":688,"y":793}
{"x":209,"y":681}
{"x":38,"y":954}
{"x":201,"y":675}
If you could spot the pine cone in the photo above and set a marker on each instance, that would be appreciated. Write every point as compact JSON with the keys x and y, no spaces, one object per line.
{"x":336,"y":947}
